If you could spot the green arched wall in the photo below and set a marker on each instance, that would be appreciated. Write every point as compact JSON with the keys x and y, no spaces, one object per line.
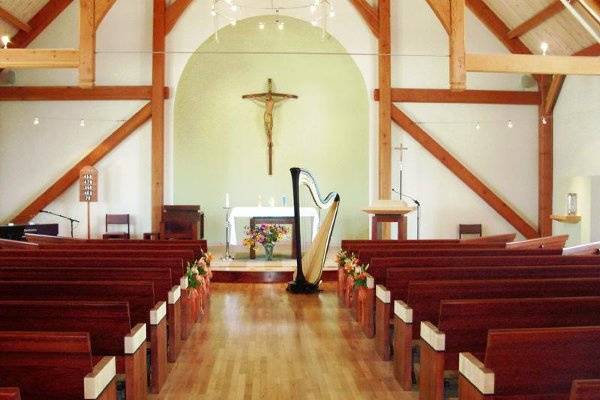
{"x":219,"y":139}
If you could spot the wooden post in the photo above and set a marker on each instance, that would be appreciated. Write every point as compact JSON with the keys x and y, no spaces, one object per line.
{"x":158,"y":110}
{"x":545,"y":162}
{"x":385,"y":106}
{"x":458,"y":75}
{"x":87,"y":43}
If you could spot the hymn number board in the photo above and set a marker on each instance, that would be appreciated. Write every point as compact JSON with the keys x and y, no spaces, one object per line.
{"x":88,"y":184}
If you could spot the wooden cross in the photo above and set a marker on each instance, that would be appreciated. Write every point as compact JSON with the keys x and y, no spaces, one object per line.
{"x":269,"y":100}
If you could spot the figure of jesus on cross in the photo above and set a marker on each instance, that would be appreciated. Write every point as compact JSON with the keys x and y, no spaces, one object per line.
{"x":269,"y":99}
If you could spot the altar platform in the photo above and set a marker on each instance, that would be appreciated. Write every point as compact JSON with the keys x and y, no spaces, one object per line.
{"x":259,"y":270}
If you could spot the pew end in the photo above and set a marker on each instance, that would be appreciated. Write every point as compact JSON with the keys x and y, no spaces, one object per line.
{"x":158,"y":346}
{"x":588,"y":249}
{"x":383,"y":344}
{"x":475,"y":380}
{"x":431,"y":373}
{"x":100,"y":384}
{"x":403,"y":341}
{"x":367,"y":311}
{"x":174,"y":323}
{"x":136,"y":374}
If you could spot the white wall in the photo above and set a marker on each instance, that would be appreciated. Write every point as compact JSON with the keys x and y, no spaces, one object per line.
{"x":576,"y":160}
{"x":504,"y":158}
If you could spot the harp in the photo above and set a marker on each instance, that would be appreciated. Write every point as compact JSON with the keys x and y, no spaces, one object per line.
{"x":309,"y":267}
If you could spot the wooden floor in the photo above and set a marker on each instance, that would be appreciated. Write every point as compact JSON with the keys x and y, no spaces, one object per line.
{"x":259,"y":342}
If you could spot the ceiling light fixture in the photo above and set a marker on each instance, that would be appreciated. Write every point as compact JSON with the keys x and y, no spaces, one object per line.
{"x":544,"y":47}
{"x":5,"y":40}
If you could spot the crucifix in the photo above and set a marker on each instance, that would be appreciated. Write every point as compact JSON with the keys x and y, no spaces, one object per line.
{"x":269,"y":99}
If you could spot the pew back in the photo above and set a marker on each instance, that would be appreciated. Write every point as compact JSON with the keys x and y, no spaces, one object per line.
{"x":45,"y":365}
{"x":521,"y":364}
{"x":186,"y":255}
{"x":174,"y":264}
{"x":466,"y":323}
{"x":365,"y":256}
{"x":161,"y":277}
{"x":397,"y":279}
{"x":106,"y":322}
{"x":424,"y":297}
{"x":379,"y":266}
{"x":139,"y":295}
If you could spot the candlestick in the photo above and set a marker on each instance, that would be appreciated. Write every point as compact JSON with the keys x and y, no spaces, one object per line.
{"x":226,"y":200}
{"x":272,"y":202}
{"x":259,"y":200}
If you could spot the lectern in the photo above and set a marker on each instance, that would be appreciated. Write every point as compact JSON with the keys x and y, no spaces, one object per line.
{"x":388,"y":211}
{"x":182,"y":222}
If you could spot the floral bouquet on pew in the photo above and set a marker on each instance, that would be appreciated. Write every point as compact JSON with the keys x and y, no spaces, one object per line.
{"x":266,"y":235}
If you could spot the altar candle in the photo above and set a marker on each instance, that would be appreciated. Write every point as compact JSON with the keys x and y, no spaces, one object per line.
{"x":226,"y":200}
{"x":272,"y":202}
{"x":259,"y":200}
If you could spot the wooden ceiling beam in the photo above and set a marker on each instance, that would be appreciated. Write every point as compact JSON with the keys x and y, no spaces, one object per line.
{"x":73,"y":93}
{"x":39,"y":22}
{"x":458,"y":169}
{"x":590,"y":51}
{"x":39,"y":58}
{"x":369,"y":14}
{"x":548,"y":12}
{"x":14,"y":21}
{"x":409,"y":95}
{"x":72,"y":175}
{"x":496,"y":26}
{"x":102,"y":7}
{"x":533,"y":64}
{"x":87,"y":43}
{"x":592,"y":7}
{"x":174,"y":11}
{"x":441,"y":9}
{"x":458,"y":73}
{"x":551,"y":94}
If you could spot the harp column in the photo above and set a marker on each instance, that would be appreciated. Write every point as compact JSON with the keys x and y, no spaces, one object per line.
{"x":385,"y":106}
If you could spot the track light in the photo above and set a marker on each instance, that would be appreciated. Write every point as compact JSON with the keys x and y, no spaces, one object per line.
{"x":510,"y":124}
{"x":478,"y":126}
{"x":36,"y":121}
{"x":544,"y":47}
{"x":5,"y":40}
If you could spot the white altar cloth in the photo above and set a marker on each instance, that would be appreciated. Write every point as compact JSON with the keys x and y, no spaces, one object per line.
{"x":249,"y":212}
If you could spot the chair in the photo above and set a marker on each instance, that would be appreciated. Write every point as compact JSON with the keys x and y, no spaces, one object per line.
{"x":117,"y":219}
{"x":469,"y":229}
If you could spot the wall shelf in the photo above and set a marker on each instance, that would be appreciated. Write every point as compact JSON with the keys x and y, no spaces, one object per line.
{"x":567,"y":219}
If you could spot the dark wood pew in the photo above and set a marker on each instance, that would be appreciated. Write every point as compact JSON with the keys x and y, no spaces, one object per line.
{"x":502,"y":238}
{"x":585,"y":389}
{"x":365,"y":256}
{"x":537,"y":363}
{"x":139,"y":295}
{"x":108,"y":324}
{"x":462,"y":326}
{"x":174,"y":264}
{"x":55,"y":366}
{"x":424,"y":298}
{"x":399,"y":279}
{"x":546,"y":242}
{"x":125,"y":245}
{"x":160,"y":277}
{"x":184,"y":255}
{"x":10,"y":394}
{"x":379,"y":266}
{"x":16,"y":244}
{"x":35,"y":238}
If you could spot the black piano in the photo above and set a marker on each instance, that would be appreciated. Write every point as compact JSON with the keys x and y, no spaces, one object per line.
{"x":17,"y":232}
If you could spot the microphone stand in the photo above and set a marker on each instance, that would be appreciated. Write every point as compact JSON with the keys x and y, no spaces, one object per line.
{"x":71,"y":220}
{"x":418,"y":210}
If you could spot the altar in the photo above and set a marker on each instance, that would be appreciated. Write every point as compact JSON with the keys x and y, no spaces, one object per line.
{"x":251,"y":212}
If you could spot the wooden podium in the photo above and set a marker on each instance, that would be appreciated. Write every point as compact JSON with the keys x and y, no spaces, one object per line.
{"x":182,"y":222}
{"x":388,"y":211}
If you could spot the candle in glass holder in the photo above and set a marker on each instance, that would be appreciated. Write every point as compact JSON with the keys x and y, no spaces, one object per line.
{"x":572,"y":204}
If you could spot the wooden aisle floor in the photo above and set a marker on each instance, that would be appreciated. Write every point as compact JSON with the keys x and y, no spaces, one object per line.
{"x":259,"y":342}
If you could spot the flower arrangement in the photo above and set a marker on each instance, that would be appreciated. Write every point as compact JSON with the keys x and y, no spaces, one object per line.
{"x":351,"y":267}
{"x":266,"y":235}
{"x":198,"y":272}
